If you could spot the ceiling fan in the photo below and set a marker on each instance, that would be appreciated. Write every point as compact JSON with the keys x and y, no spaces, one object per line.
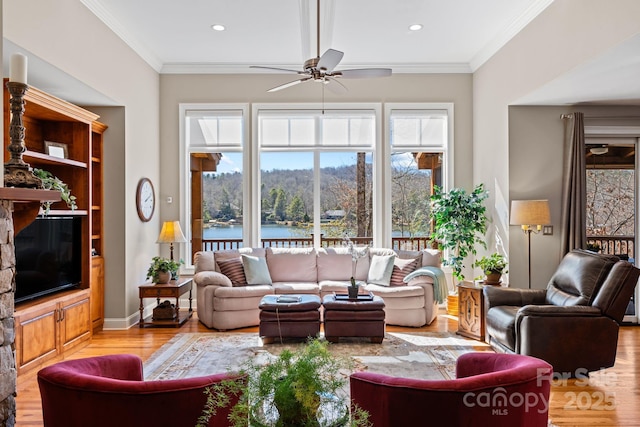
{"x":321,"y":68}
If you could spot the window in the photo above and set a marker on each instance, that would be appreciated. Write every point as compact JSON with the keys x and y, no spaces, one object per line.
{"x":419,"y":144}
{"x":306,"y":175}
{"x":309,"y":183}
{"x":212,"y":200}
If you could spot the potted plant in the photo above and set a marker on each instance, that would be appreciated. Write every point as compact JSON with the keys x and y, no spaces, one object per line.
{"x":459,"y":223}
{"x":51,"y":182}
{"x":300,"y":388}
{"x":493,"y":267}
{"x":162,"y":270}
{"x":356,"y":253}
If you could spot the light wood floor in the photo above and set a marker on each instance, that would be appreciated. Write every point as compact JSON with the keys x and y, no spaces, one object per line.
{"x":611,"y":399}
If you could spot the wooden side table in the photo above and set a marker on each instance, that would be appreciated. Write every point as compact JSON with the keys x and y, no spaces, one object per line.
{"x":470,"y":311}
{"x":173,"y":289}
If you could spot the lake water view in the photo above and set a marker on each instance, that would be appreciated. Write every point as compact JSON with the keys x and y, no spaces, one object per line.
{"x":269,"y":231}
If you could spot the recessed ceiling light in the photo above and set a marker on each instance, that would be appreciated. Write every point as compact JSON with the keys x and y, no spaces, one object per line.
{"x":415,"y":27}
{"x":218,"y":27}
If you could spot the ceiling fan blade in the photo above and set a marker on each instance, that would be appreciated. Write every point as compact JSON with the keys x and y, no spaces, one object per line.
{"x":278,"y":69}
{"x":362,"y":73}
{"x":335,"y":86}
{"x":329,"y":60}
{"x":286,"y":85}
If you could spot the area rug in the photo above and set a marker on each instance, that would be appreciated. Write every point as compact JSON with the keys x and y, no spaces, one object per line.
{"x":425,"y":355}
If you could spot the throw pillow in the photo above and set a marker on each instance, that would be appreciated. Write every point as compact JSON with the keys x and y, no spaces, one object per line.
{"x":233,"y":269}
{"x":256,"y":270}
{"x":380,"y":270}
{"x":402,"y":267}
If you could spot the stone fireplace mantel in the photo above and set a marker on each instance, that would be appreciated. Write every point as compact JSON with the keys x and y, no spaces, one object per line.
{"x":18,"y":208}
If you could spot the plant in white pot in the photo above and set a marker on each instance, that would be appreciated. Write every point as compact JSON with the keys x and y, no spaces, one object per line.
{"x":459,"y":223}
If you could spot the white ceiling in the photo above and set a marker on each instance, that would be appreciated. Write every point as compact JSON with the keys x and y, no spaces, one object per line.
{"x":176,"y":36}
{"x":458,"y":37}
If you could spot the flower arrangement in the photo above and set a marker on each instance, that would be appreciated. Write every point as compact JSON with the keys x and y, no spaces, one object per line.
{"x":299,"y":388}
{"x":356,"y":253}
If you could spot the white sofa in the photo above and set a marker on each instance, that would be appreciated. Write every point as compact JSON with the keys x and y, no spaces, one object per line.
{"x":223,"y":306}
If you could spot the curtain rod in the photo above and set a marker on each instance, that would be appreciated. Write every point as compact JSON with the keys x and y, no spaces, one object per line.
{"x":568,"y":116}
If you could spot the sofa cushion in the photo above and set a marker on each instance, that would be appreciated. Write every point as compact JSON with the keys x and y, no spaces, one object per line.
{"x":256,"y":270}
{"x":334,"y":264}
{"x":292,"y":264}
{"x":402,"y":267}
{"x":381,"y":269}
{"x":234,"y":270}
{"x":204,"y":278}
{"x":431,"y":258}
{"x":257,"y":291}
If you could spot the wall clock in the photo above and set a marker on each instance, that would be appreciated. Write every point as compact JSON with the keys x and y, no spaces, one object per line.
{"x":145,"y":199}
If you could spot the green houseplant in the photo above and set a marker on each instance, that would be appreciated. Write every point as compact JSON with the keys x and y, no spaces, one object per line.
{"x":51,"y":182}
{"x":493,"y":267}
{"x":459,"y":223}
{"x":301,"y":388}
{"x":162,"y":270}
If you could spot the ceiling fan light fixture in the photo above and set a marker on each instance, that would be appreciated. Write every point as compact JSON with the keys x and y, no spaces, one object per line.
{"x":218,"y":27}
{"x":415,"y":27}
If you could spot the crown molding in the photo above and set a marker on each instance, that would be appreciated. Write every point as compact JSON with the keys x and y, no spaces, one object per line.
{"x":139,"y":48}
{"x":508,"y":33}
{"x":211,"y":68}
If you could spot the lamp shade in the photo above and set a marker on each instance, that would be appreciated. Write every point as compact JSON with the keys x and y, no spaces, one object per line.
{"x":530,"y":212}
{"x":171,"y":233}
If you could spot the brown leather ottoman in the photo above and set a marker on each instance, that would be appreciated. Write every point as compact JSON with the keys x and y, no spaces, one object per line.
{"x":353,"y":318}
{"x":289,"y":316}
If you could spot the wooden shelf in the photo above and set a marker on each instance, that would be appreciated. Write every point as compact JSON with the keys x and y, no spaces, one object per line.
{"x":29,"y":194}
{"x":47,"y":118}
{"x":66,"y":212}
{"x":29,"y":157}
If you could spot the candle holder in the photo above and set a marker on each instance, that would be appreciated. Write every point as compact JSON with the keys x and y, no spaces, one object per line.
{"x":18,"y":173}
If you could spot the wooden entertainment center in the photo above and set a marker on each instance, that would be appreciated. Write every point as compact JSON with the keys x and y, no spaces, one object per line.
{"x":48,"y":326}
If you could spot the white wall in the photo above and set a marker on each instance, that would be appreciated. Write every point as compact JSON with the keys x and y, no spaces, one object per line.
{"x":568,"y":33}
{"x":68,"y":36}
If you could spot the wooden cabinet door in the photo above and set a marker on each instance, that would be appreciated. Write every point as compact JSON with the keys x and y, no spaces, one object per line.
{"x":97,"y":292}
{"x":75,"y":324}
{"x":470,"y":312}
{"x":36,"y":335}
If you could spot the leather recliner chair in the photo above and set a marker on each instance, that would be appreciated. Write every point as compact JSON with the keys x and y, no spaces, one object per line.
{"x":572,"y":324}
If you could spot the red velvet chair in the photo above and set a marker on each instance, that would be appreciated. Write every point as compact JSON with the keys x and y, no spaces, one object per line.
{"x":490,"y":390}
{"x":109,"y":391}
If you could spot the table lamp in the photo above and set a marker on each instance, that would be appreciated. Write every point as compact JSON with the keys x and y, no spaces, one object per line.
{"x":171,"y":233}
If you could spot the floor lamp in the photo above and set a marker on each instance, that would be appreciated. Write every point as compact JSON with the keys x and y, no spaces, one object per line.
{"x":531,"y":215}
{"x":171,"y":233}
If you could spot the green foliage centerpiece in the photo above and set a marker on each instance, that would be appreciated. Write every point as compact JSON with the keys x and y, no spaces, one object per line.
{"x":51,"y":182}
{"x":162,"y":270}
{"x":459,"y":223}
{"x":493,"y":267}
{"x":297,"y":389}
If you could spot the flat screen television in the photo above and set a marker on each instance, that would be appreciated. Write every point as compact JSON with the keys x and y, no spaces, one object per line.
{"x":48,"y":256}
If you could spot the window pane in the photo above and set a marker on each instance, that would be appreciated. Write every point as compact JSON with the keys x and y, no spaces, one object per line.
{"x":346,"y":196}
{"x":411,"y":190}
{"x":287,"y":198}
{"x":222,"y":208}
{"x":212,"y":128}
{"x":411,"y":128}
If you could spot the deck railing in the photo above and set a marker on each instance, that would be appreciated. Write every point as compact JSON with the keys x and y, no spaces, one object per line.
{"x":398,"y":243}
{"x":615,"y":245}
